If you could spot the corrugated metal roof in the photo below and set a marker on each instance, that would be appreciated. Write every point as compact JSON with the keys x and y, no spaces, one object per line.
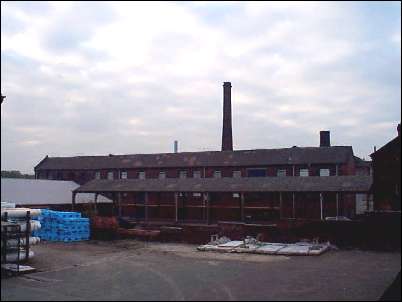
{"x":295,"y":155}
{"x":246,"y":184}
{"x":39,"y":192}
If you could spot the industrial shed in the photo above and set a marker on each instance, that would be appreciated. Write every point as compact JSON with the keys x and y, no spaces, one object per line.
{"x":230,"y":199}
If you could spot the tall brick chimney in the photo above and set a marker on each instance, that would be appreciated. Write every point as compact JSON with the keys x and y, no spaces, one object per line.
{"x":227,"y":141}
{"x":325,"y":140}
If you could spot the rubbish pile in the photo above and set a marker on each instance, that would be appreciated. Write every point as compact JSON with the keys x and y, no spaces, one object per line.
{"x":252,"y":245}
{"x":63,"y":226}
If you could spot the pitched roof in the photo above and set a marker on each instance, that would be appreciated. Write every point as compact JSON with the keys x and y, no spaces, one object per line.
{"x":394,"y":144}
{"x":295,"y":155}
{"x":361,"y":162}
{"x":246,"y":184}
{"x":39,"y":192}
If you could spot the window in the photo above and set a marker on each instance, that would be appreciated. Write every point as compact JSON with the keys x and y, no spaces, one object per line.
{"x":110,"y":175}
{"x":236,"y":195}
{"x":141,"y":175}
{"x":304,"y":172}
{"x":217,"y":174}
{"x":197,"y":174}
{"x":324,"y":172}
{"x":162,"y":175}
{"x":123,"y":175}
{"x":183,"y":174}
{"x":97,"y":175}
{"x":258,"y":172}
{"x":281,"y":172}
{"x":197,"y":194}
{"x":236,"y":174}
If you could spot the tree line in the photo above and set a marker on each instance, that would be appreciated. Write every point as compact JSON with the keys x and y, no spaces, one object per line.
{"x":16,"y":174}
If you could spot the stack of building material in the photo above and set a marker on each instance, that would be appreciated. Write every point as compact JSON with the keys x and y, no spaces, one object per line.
{"x":251,"y":245}
{"x":63,"y":226}
{"x":17,"y":234}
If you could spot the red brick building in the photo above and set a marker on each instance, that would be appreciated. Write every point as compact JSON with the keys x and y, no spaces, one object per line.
{"x":257,"y":185}
{"x":387,"y":175}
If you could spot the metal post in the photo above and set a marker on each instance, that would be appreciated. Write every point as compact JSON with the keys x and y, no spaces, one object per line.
{"x":27,"y":233}
{"x":176,"y":203}
{"x":96,"y":203}
{"x":119,"y":202}
{"x":73,"y":201}
{"x":321,"y":201}
{"x":146,"y":206}
{"x":337,"y":204}
{"x":280,"y":205}
{"x":294,"y":206}
{"x":204,"y":204}
{"x":208,"y":209}
{"x":242,"y":200}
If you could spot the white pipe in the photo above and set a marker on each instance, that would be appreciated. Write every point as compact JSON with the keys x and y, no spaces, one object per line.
{"x":35,"y":225}
{"x":14,"y":242}
{"x":19,"y":212}
{"x":322,"y":218}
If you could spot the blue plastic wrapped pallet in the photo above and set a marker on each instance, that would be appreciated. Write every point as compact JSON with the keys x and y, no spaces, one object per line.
{"x":63,"y":226}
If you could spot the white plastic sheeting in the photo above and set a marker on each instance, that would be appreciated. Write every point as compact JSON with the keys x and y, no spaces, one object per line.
{"x":268,"y":248}
{"x":19,"y":212}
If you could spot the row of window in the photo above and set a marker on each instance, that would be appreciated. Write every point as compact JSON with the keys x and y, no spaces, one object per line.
{"x":217,"y":174}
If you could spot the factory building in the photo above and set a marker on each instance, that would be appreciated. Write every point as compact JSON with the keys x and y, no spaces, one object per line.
{"x":229,"y":185}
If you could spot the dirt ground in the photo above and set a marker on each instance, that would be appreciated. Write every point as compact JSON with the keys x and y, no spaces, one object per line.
{"x":135,"y":270}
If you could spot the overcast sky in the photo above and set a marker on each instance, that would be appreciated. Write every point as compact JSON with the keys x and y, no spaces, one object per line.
{"x":98,"y":78}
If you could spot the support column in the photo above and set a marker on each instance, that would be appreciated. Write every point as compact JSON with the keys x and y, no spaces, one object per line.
{"x":204,"y":204}
{"x":176,"y":205}
{"x":294,"y":205}
{"x":280,"y":205}
{"x":208,"y":208}
{"x":242,"y":206}
{"x":337,"y":204}
{"x":119,"y":203}
{"x":96,"y":204}
{"x":321,"y":209}
{"x":146,"y":206}
{"x":73,"y":201}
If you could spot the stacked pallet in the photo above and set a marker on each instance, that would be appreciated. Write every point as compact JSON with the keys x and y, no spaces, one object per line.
{"x":63,"y":226}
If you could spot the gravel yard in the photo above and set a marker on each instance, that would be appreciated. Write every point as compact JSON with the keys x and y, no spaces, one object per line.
{"x":135,"y":270}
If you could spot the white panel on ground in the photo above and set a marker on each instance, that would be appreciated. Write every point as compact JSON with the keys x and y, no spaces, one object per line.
{"x":295,"y":250}
{"x":270,"y":248}
{"x":231,"y":244}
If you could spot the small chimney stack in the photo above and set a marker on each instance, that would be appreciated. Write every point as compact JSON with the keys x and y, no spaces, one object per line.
{"x":325,"y":140}
{"x":176,"y":146}
{"x":227,"y":141}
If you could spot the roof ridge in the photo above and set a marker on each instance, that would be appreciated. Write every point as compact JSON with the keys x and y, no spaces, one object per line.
{"x":211,"y":151}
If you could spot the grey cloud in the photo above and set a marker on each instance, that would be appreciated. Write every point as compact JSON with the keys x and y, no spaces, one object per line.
{"x":11,"y":24}
{"x":29,"y":7}
{"x":61,"y":109}
{"x":77,"y":25}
